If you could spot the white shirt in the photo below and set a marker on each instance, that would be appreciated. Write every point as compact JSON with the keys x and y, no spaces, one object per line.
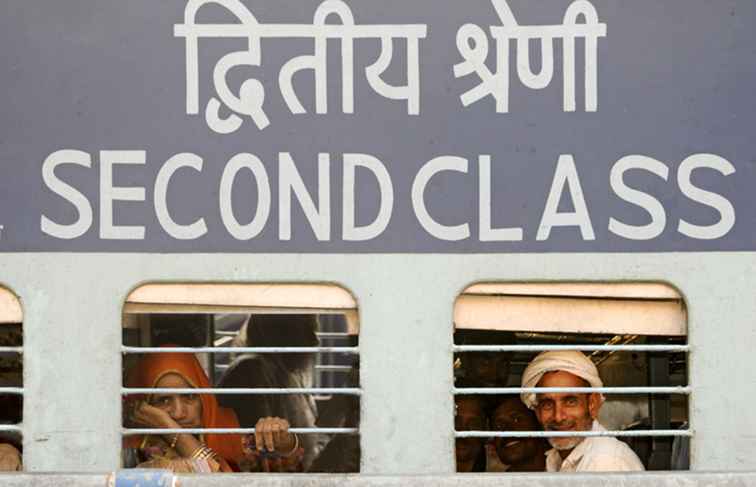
{"x":595,"y":454}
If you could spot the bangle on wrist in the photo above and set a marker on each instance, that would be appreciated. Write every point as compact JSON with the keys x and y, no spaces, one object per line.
{"x":202,"y":453}
{"x":174,"y":440}
{"x":296,"y":446}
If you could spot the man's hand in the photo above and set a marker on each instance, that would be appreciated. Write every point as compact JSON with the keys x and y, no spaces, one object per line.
{"x":272,"y":434}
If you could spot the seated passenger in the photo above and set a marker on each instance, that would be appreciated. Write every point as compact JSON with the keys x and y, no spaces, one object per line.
{"x":470,"y":415}
{"x":189,"y":453}
{"x":518,"y":454}
{"x":574,"y":412}
{"x":269,"y":370}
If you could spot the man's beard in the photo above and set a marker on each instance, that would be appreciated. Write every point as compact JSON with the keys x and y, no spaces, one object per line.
{"x":562,"y":443}
{"x":568,"y":443}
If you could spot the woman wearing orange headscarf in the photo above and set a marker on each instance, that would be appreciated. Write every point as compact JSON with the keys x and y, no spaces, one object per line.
{"x":189,"y":452}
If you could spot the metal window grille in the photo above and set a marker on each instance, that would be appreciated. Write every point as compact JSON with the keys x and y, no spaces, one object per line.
{"x":125,"y":391}
{"x":681,"y":390}
{"x":11,"y":356}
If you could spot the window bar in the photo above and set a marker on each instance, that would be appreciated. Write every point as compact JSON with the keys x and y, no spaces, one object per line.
{"x":568,"y":434}
{"x":138,"y":350}
{"x":273,"y":390}
{"x":560,"y":390}
{"x":334,"y":368}
{"x":582,"y":348}
{"x":168,"y":431}
{"x":12,"y":390}
{"x":332,"y":334}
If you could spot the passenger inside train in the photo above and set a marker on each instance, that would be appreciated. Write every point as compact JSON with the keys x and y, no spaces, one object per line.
{"x":470,"y":414}
{"x":517,"y":454}
{"x":633,"y":336}
{"x":290,"y":370}
{"x":273,"y":447}
{"x":189,"y":453}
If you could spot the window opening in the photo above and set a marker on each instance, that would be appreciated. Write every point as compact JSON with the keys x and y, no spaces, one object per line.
{"x":275,"y":364}
{"x":11,"y":382}
{"x":635,"y":337}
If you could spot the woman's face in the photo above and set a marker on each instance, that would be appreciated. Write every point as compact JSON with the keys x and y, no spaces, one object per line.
{"x":185,"y":409}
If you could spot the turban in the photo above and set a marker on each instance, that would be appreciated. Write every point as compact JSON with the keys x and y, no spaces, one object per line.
{"x":576,"y":363}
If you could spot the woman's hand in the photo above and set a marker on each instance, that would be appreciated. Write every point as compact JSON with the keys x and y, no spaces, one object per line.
{"x":272,"y":434}
{"x":149,"y":416}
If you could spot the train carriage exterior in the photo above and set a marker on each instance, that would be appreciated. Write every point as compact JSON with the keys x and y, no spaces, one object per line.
{"x":567,"y":170}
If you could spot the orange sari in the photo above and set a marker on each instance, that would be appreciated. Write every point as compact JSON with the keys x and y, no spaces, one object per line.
{"x":152,"y":367}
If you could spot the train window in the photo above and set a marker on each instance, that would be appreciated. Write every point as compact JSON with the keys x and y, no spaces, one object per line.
{"x":546,"y":373}
{"x":11,"y":381}
{"x":241,"y":377}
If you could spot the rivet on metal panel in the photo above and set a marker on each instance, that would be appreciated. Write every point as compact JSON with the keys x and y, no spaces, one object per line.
{"x":142,"y":478}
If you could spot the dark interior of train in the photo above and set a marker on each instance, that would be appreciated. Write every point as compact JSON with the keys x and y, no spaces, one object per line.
{"x":11,"y":405}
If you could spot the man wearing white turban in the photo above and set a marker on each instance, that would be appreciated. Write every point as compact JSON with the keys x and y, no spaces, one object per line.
{"x":574,"y":412}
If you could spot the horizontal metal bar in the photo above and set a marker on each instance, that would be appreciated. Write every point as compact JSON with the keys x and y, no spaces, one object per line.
{"x":352,"y":391}
{"x":12,"y":390}
{"x":582,"y":348}
{"x":332,"y":334}
{"x":353,"y":350}
{"x":11,"y":349}
{"x":321,"y":368}
{"x":243,"y":431}
{"x":226,"y":333}
{"x":580,"y":390}
{"x":11,"y":428}
{"x":334,"y":368}
{"x":568,"y":434}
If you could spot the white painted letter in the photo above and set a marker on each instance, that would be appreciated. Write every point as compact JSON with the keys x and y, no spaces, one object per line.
{"x":436,"y":165}
{"x":179,"y":232}
{"x":350,"y":232}
{"x":488,"y":234}
{"x":654,"y":208}
{"x":68,"y":192}
{"x":566,"y":173}
{"x":716,"y":201}
{"x":288,"y":181}
{"x":110,"y":193}
{"x":253,"y":228}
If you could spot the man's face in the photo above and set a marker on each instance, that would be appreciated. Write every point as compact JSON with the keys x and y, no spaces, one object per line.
{"x":469,"y":417}
{"x":566,"y":411}
{"x":512,"y":415}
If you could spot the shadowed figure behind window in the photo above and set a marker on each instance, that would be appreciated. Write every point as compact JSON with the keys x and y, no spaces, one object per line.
{"x":483,"y":369}
{"x":285,"y":370}
{"x":342,"y":453}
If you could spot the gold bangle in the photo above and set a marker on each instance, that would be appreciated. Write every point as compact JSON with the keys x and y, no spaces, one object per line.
{"x":296,"y":446}
{"x":203,"y":453}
